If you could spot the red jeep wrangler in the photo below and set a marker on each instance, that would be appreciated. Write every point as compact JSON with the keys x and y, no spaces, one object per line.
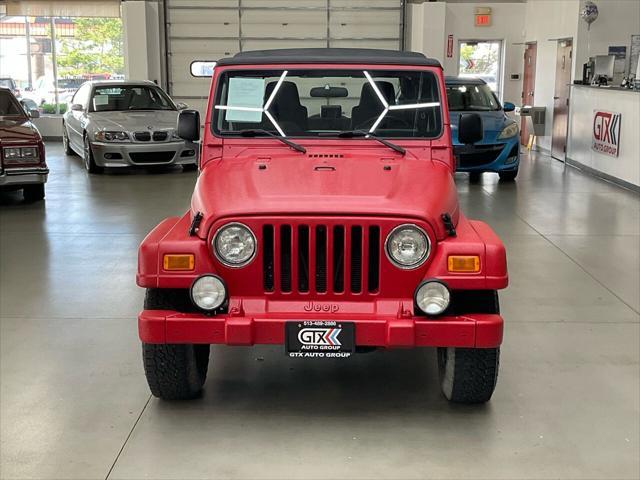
{"x":324,"y":219}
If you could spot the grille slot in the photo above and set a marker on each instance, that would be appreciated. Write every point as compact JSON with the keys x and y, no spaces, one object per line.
{"x":321,"y":258}
{"x":267,"y":257}
{"x":373,"y":274}
{"x":356,"y":259}
{"x":285,"y":258}
{"x":151,"y":157}
{"x":303,"y":258}
{"x":159,"y":136}
{"x":142,"y":136}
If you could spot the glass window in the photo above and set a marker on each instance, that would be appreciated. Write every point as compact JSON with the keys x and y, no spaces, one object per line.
{"x":315,"y":102}
{"x":482,"y":60}
{"x":9,"y":107}
{"x":471,"y":97}
{"x":47,"y":59}
{"x":112,"y":98}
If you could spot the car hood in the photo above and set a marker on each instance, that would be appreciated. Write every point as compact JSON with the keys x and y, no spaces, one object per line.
{"x":18,"y":131}
{"x":253,"y":184}
{"x":135,"y":120}
{"x":492,"y":123}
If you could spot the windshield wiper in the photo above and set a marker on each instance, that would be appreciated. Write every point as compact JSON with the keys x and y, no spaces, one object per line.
{"x":253,"y":132}
{"x":362,"y":133}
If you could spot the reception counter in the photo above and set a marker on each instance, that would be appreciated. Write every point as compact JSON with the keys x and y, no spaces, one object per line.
{"x":604,"y":133}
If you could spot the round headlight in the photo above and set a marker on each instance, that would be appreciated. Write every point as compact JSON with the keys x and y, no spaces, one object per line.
{"x":208,"y":292}
{"x":407,"y":246}
{"x":234,"y":245}
{"x":432,"y":297}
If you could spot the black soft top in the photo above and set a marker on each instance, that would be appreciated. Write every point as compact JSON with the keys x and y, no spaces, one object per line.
{"x":329,"y":55}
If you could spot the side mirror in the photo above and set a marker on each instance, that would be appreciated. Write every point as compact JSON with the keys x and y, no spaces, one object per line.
{"x":470,"y":129}
{"x":76,"y":107}
{"x":33,"y":113}
{"x":181,"y":105}
{"x":508,"y":107}
{"x":189,"y":125}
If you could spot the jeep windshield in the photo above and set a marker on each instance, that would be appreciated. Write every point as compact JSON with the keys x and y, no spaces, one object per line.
{"x":326,"y":103}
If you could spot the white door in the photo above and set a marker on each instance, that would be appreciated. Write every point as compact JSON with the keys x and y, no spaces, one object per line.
{"x":211,"y":29}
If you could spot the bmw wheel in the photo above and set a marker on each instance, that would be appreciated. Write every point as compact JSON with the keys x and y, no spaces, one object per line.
{"x":65,"y":141}
{"x":89,"y":161}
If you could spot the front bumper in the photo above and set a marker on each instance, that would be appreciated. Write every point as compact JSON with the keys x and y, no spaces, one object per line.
{"x":468,"y":330}
{"x":17,"y":177}
{"x":500,"y":156}
{"x":144,"y":154}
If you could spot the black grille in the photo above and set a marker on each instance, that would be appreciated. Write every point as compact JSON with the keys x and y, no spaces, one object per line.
{"x":142,"y":136}
{"x":338,"y":258}
{"x":160,"y":136}
{"x":478,"y":155}
{"x":151,"y":157}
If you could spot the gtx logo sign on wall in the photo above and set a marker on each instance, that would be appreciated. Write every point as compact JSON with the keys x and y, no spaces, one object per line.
{"x":606,"y":132}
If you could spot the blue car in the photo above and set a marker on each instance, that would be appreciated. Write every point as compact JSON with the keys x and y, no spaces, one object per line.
{"x":499,"y":150}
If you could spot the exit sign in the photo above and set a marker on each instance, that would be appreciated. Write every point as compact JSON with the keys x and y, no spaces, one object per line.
{"x":483,"y":20}
{"x":482,"y":16}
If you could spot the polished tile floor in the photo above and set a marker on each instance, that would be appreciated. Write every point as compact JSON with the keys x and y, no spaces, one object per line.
{"x":74,"y":402}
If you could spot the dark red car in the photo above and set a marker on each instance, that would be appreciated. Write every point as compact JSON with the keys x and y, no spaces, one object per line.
{"x":325,"y":219}
{"x":22,"y":158}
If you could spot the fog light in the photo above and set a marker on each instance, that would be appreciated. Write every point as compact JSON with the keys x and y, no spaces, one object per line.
{"x":432,"y":297}
{"x":208,"y":292}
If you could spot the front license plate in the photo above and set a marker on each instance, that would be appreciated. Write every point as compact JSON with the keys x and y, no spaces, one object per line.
{"x":319,"y":339}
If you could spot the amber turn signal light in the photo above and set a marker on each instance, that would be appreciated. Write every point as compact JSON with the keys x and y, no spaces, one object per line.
{"x":179,"y":261}
{"x":464,"y":263}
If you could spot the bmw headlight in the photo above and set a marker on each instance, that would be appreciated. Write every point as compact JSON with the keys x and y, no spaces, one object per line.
{"x":407,"y":246}
{"x":111,"y":136}
{"x":208,"y":292}
{"x":511,"y":130}
{"x":234,"y":245}
{"x":432,"y":297}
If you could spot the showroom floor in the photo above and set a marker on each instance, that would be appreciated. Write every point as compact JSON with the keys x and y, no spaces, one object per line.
{"x":74,"y":402}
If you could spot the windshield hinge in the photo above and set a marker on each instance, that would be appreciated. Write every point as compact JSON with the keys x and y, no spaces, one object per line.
{"x":448,"y":224}
{"x":195,"y":223}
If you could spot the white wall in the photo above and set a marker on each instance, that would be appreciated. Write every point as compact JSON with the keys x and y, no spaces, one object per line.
{"x":507,"y":25}
{"x":547,"y":20}
{"x":142,"y":41}
{"x":617,"y":21}
{"x":426,"y":27}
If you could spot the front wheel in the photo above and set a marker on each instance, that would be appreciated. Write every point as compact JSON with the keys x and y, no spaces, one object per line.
{"x":33,"y":193}
{"x":175,"y":372}
{"x":468,"y":375}
{"x":65,"y":141}
{"x":89,"y":161}
{"x":509,"y":176}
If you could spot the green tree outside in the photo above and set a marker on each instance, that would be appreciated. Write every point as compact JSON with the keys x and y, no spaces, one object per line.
{"x":96,"y":48}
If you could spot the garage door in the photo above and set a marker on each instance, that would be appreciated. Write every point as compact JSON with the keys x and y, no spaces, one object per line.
{"x":210,"y":29}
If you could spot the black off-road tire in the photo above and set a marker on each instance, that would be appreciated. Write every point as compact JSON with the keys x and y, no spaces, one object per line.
{"x":508,"y":176}
{"x":468,"y":375}
{"x":33,"y":193}
{"x":173,"y":371}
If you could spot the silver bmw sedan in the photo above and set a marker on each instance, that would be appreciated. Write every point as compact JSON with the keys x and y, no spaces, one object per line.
{"x":124,"y":123}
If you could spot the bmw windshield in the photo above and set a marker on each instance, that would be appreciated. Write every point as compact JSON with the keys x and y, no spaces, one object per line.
{"x":325,"y":103}
{"x":117,"y":98}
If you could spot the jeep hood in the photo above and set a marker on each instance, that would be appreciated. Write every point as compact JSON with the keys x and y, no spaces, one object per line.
{"x":301,"y":184}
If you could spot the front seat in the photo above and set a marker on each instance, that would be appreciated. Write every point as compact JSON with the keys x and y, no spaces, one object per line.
{"x":370,"y":107}
{"x":286,"y":108}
